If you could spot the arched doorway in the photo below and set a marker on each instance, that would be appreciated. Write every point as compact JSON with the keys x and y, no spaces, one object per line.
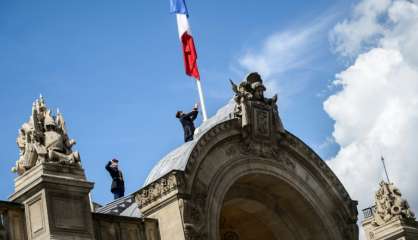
{"x":260,"y":206}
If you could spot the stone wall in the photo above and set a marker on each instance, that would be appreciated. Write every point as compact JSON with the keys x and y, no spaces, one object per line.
{"x":113,"y":227}
{"x":12,"y":221}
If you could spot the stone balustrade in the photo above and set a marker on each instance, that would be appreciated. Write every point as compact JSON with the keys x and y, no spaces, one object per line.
{"x":368,"y":212}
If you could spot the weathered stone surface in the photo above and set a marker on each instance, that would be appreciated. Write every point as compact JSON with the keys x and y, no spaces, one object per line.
{"x":395,"y":229}
{"x":247,"y":170}
{"x":44,"y":138}
{"x":389,"y":204}
{"x":52,"y":195}
{"x":391,"y":217}
{"x":12,"y":223}
{"x":113,"y":227}
{"x":56,"y":200}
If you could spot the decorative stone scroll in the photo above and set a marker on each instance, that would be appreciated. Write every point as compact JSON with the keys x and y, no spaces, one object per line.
{"x":44,"y":138}
{"x":390,"y":204}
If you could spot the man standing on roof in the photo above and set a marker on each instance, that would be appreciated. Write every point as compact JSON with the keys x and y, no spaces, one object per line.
{"x":118,"y":184}
{"x":186,"y":120}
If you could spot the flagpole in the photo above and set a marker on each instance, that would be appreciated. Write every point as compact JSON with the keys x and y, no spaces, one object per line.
{"x":202,"y":99}
{"x":384,"y":167}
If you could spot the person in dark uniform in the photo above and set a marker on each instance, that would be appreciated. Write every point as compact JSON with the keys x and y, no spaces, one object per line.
{"x":186,"y":120}
{"x":118,"y":184}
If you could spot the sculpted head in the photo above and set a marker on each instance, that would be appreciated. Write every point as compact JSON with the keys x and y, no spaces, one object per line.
{"x":258,"y":89}
{"x":253,"y":77}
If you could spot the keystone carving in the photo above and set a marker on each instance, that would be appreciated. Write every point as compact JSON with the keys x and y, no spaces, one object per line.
{"x":44,"y":138}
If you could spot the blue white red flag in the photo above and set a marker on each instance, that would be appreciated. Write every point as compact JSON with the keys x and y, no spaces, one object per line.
{"x":178,"y":6}
{"x":185,"y":34}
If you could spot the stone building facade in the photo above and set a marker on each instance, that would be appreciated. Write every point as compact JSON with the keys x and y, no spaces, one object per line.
{"x":243,"y":177}
{"x":390,"y":218}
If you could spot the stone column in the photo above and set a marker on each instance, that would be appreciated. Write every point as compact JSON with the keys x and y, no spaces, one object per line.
{"x":56,"y":200}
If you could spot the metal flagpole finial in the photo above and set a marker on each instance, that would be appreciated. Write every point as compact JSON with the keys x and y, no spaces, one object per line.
{"x":384,"y":167}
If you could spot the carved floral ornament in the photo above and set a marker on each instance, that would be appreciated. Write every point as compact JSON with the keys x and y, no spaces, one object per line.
{"x":390,"y":204}
{"x":44,"y":138}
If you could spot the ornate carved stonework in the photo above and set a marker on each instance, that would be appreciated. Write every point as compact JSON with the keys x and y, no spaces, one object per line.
{"x":390,"y":204}
{"x":194,"y":212}
{"x":44,"y":138}
{"x":258,"y":115}
{"x":256,"y":112}
{"x":270,"y":151}
{"x":262,"y":121}
{"x":253,"y":142}
{"x":164,"y":185}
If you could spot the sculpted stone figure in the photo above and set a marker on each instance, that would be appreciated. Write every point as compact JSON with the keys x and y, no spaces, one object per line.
{"x":252,"y":89}
{"x":44,"y":138}
{"x":390,"y":204}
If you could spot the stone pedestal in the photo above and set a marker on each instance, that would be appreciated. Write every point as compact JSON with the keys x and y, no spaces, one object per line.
{"x":396,"y":229}
{"x":56,"y":200}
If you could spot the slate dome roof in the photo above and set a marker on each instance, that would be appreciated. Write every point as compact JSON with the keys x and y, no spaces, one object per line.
{"x":177,"y":159}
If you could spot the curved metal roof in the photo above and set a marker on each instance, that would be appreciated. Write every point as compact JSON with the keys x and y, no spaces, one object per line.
{"x":177,"y":159}
{"x":124,"y":206}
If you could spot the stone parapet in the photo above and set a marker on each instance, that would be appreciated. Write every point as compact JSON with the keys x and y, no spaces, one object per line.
{"x":56,"y":201}
{"x":107,"y":226}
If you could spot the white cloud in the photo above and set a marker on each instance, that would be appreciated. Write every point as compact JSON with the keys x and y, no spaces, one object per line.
{"x":352,"y":36}
{"x":283,"y":51}
{"x":376,"y":111}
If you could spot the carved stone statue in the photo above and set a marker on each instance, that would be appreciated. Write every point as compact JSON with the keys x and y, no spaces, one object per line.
{"x":390,"y":204}
{"x":44,"y":139}
{"x":251,"y":90}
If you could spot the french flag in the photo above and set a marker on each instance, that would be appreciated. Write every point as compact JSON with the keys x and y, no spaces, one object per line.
{"x":189,"y":51}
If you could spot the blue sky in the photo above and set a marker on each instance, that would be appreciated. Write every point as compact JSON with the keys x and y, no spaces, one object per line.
{"x":115,"y":71}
